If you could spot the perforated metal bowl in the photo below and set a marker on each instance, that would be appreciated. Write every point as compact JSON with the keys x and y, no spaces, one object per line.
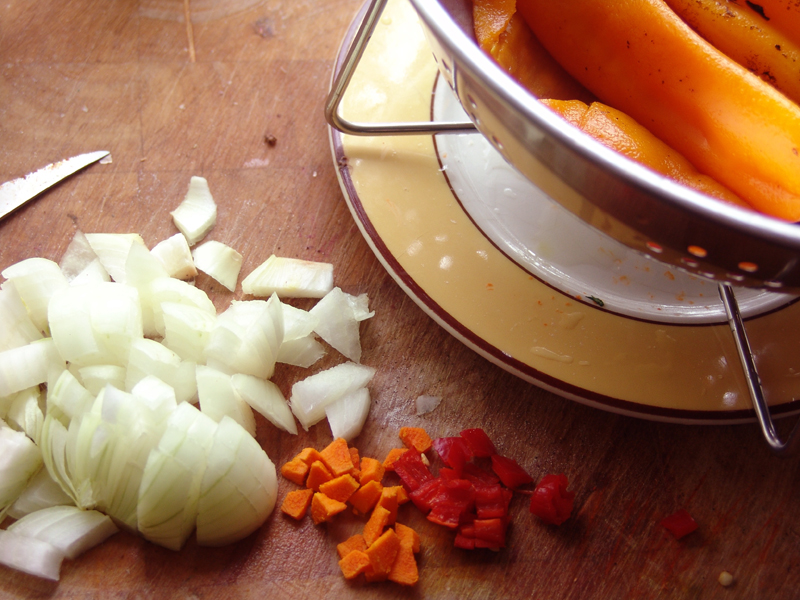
{"x":632,"y":204}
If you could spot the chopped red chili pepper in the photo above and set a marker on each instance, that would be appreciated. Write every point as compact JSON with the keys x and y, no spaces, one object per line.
{"x":490,"y":533}
{"x":479,"y":476}
{"x":479,"y":443}
{"x":425,"y":494}
{"x":454,"y":452}
{"x":509,"y":471}
{"x":491,"y":501}
{"x":455,"y":499}
{"x":679,"y":524}
{"x":411,"y":470}
{"x":551,"y":501}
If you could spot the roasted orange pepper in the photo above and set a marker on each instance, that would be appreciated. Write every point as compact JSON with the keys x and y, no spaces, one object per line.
{"x":747,"y":38}
{"x":641,"y":58}
{"x":506,"y":37}
{"x":783,"y":15}
{"x":618,"y":131}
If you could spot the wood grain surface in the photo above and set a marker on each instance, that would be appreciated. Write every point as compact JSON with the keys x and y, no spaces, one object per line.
{"x":172,"y":98}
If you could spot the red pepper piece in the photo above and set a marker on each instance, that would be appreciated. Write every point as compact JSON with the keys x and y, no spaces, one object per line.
{"x":551,"y":501}
{"x":479,"y":443}
{"x":509,"y":472}
{"x":411,"y":470}
{"x":479,"y":476}
{"x":490,"y":533}
{"x":491,"y":501}
{"x":425,"y":494}
{"x":454,"y":452}
{"x":679,"y":524}
{"x":454,"y":500}
{"x":447,"y":473}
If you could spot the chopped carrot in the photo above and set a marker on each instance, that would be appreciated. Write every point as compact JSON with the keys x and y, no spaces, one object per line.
{"x":373,"y":528}
{"x":323,"y":508}
{"x":404,"y":568}
{"x":339,"y":488}
{"x":355,"y":563}
{"x":416,"y":437}
{"x":317,"y":475}
{"x":336,"y":457}
{"x":408,"y":536}
{"x":295,"y":470}
{"x":383,"y":551}
{"x":402,"y":494}
{"x":371,"y":470}
{"x":393,"y":455}
{"x":354,"y":457}
{"x":354,"y":542}
{"x":296,"y":503}
{"x":388,"y":500}
{"x":366,"y":497}
{"x":309,"y":456}
{"x":371,"y":576}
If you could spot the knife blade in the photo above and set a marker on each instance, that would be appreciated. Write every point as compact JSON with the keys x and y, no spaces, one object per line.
{"x":17,"y":192}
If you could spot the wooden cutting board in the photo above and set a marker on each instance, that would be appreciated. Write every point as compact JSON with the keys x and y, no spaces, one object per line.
{"x":235,"y":94}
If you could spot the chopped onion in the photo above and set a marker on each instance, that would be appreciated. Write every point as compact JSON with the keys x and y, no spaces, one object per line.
{"x":221,"y":262}
{"x":80,"y":263}
{"x":176,"y":257}
{"x":30,"y":555}
{"x":338,"y":324}
{"x":36,"y":280}
{"x":112,"y":250}
{"x":247,"y":337}
{"x":95,"y":377}
{"x":26,"y":413}
{"x":41,"y":492}
{"x":301,"y":352}
{"x":348,"y":414}
{"x":148,"y":357}
{"x":16,"y":327}
{"x":218,"y":398}
{"x":68,"y":528}
{"x":68,"y":397}
{"x":20,"y":459}
{"x":313,"y":394}
{"x":169,"y":289}
{"x":426,"y":404}
{"x":27,"y":366}
{"x":197,"y":214}
{"x":170,"y":487}
{"x":238,"y":490}
{"x":265,"y":398}
{"x":289,"y":278}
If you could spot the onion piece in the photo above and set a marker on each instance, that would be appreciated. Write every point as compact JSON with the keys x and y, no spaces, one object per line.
{"x":36,"y":280}
{"x":338,"y":324}
{"x":218,"y":399}
{"x":219,"y":261}
{"x":27,"y":366}
{"x":169,"y":289}
{"x":68,"y":397}
{"x":170,"y":486}
{"x":176,"y":257}
{"x":247,"y":337}
{"x":112,"y":250}
{"x":313,"y":394}
{"x":41,"y":492}
{"x":348,"y":414}
{"x":95,"y":377}
{"x":30,"y":555}
{"x":148,"y":357}
{"x":26,"y":413}
{"x":238,"y":490}
{"x":301,"y":352}
{"x":265,"y":398}
{"x":20,"y":459}
{"x":187,"y":330}
{"x":16,"y":327}
{"x":80,"y":263}
{"x":426,"y":404}
{"x":68,"y":528}
{"x":289,"y":278}
{"x":197,"y":214}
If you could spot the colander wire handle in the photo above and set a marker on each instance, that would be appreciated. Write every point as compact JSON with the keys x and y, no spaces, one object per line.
{"x":779,"y":447}
{"x":345,"y":74}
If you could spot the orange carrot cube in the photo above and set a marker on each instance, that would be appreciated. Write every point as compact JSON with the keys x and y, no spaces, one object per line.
{"x":317,"y":475}
{"x":296,"y":503}
{"x":416,"y":437}
{"x":394,"y":454}
{"x":309,"y":456}
{"x":383,"y":551}
{"x":373,"y":528}
{"x":355,"y":563}
{"x":371,"y":470}
{"x":339,"y":488}
{"x":366,"y":497}
{"x":354,"y":542}
{"x":336,"y":457}
{"x":323,"y":508}
{"x":295,"y":471}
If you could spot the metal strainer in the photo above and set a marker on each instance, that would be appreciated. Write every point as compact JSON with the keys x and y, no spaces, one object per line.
{"x":635,"y":206}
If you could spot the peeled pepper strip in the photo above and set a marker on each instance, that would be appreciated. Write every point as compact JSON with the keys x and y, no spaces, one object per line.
{"x":639,"y":57}
{"x":747,"y":38}
{"x":506,"y":37}
{"x":619,"y":132}
{"x":784,"y":15}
